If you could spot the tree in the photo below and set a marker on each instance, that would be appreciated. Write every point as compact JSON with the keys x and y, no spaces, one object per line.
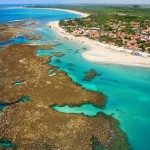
{"x":149,"y":50}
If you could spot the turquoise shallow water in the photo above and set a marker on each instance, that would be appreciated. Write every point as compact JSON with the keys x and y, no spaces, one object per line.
{"x":128,"y":94}
{"x":8,"y":144}
{"x":23,"y":99}
{"x":127,"y":88}
{"x":16,"y":40}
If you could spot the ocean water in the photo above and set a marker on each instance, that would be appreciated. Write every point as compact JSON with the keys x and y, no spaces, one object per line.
{"x":127,"y":88}
{"x":18,"y":83}
{"x":23,"y":99}
{"x":8,"y":145}
{"x":15,"y":40}
{"x":10,"y":14}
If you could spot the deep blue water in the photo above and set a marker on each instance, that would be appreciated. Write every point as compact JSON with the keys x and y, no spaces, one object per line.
{"x":127,"y":88}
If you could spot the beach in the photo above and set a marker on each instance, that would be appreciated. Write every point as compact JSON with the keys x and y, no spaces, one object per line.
{"x":66,"y":10}
{"x":71,"y":11}
{"x":31,"y":86}
{"x":48,"y":88}
{"x":100,"y":52}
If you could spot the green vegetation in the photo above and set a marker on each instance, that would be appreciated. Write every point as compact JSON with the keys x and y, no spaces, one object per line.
{"x":126,"y":26}
{"x":120,"y":26}
{"x":149,"y":50}
{"x":136,"y":10}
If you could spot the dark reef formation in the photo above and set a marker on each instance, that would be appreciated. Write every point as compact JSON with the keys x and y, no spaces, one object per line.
{"x":13,"y":29}
{"x":90,"y":74}
{"x":32,"y":37}
{"x":58,"y":54}
{"x":33,"y":124}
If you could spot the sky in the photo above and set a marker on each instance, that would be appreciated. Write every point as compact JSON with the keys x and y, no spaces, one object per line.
{"x":74,"y":1}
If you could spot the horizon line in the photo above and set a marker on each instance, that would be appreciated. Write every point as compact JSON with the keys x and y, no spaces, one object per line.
{"x":73,"y":4}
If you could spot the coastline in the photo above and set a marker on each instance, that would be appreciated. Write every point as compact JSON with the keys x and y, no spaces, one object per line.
{"x":59,"y":112}
{"x":39,"y":119}
{"x":71,"y":11}
{"x":98,"y":52}
{"x":67,"y":10}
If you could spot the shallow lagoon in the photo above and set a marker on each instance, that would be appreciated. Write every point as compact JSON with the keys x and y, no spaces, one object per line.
{"x":8,"y":144}
{"x":23,"y":99}
{"x":127,"y":88}
{"x":128,"y":99}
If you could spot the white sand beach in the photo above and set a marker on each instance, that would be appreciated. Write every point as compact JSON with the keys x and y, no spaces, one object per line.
{"x":72,"y":11}
{"x":67,"y":10}
{"x":99,"y":52}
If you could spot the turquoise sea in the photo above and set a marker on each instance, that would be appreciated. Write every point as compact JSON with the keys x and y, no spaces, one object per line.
{"x":127,"y":88}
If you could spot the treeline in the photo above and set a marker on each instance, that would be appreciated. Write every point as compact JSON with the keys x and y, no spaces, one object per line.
{"x":96,"y":9}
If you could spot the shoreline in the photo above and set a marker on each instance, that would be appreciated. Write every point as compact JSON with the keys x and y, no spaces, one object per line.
{"x":72,"y":11}
{"x":67,"y":10}
{"x":98,"y":52}
{"x":38,"y":112}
